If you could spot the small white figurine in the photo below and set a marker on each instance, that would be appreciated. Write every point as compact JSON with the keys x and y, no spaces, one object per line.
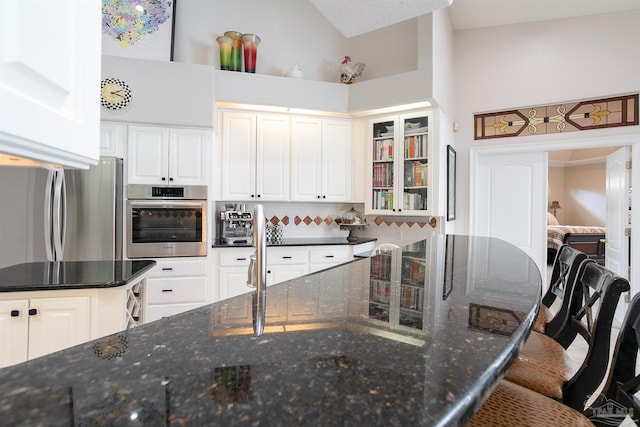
{"x":294,"y":72}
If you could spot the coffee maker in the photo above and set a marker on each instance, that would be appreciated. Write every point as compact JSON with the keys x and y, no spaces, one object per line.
{"x":236,"y":226}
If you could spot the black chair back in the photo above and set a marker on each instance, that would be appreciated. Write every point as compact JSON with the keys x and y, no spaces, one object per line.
{"x":617,"y":400}
{"x":601,"y":290}
{"x":561,"y":286}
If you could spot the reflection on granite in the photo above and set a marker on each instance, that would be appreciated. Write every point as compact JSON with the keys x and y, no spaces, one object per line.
{"x":325,"y":358}
{"x":301,"y":241}
{"x":47,"y":276}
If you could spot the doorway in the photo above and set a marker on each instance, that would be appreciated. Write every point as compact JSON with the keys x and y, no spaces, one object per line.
{"x":484,"y":216}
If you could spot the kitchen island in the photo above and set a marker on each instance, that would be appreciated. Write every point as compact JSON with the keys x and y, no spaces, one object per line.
{"x":49,"y":306}
{"x":417,"y":336}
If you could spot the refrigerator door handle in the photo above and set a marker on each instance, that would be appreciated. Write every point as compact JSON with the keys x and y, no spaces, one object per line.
{"x":48,"y":243}
{"x":58,"y":225}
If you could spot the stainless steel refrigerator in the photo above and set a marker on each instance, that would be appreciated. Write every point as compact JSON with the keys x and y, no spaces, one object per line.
{"x":70,"y":215}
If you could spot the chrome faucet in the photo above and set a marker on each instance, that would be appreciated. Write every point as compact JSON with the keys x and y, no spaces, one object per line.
{"x":257,"y":274}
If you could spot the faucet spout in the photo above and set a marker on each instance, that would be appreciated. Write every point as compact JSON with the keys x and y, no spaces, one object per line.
{"x":258,"y":270}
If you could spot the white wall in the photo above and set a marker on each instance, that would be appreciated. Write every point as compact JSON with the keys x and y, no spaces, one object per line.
{"x":162,"y":92}
{"x":586,"y":195}
{"x":292,"y":31}
{"x":540,"y":63}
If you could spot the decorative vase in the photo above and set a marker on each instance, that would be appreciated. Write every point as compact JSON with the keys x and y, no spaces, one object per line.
{"x":236,"y":50}
{"x":226,"y":44}
{"x":250,"y":44}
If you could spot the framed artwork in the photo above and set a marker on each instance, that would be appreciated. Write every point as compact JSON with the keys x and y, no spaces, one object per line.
{"x":142,"y":29}
{"x":451,"y":183}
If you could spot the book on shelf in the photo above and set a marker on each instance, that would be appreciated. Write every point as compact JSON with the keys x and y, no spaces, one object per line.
{"x":383,"y":149}
{"x":415,"y":146}
{"x":382,"y":199}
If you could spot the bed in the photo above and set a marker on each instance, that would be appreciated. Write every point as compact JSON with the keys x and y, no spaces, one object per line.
{"x":587,"y":239}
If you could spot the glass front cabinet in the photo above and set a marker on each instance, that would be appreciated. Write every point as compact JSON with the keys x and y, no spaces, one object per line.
{"x":401,"y":168}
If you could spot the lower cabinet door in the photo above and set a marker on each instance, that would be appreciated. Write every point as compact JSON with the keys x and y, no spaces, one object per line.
{"x":233,"y":281}
{"x":14,"y":332}
{"x":57,"y":323}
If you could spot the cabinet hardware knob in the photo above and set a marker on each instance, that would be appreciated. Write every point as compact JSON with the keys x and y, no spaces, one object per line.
{"x":318,"y":196}
{"x":171,"y":179}
{"x":268,"y":271}
{"x":15,"y":313}
{"x":324,"y":197}
{"x":164,"y":179}
{"x":167,"y":268}
{"x":167,"y":290}
{"x":252,"y":196}
{"x":258,"y":195}
{"x":33,"y":311}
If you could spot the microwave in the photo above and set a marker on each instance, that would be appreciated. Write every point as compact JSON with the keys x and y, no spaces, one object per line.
{"x":166,"y":221}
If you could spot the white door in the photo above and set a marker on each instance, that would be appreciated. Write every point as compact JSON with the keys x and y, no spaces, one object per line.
{"x":58,"y":323}
{"x":272,"y":158}
{"x":617,"y":184}
{"x":14,"y":332}
{"x":187,"y":158}
{"x":306,"y":157}
{"x":238,"y":156}
{"x":49,"y":80}
{"x":148,"y":155}
{"x":336,"y":161}
{"x":508,"y":199}
{"x":617,"y":243}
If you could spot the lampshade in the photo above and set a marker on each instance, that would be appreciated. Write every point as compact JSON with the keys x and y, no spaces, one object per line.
{"x":555,"y":205}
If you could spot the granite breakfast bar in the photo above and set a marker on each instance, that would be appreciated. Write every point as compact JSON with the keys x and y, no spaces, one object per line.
{"x":416,"y":336}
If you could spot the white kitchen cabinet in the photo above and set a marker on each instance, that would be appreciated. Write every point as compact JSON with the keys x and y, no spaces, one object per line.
{"x":37,"y":326}
{"x":255,"y":156}
{"x":321,"y":257}
{"x":232,"y":266}
{"x":113,"y":139}
{"x":176,"y":285}
{"x":402,"y":166}
{"x":286,"y":262}
{"x":169,"y":156}
{"x":321,"y":160}
{"x":49,"y":80}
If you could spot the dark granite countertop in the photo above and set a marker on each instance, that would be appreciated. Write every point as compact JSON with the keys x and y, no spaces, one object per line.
{"x":48,"y":276}
{"x":302,"y":241}
{"x":415,"y":337}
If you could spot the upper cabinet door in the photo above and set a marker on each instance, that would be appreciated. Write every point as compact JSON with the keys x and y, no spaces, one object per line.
{"x":272,"y":158}
{"x":306,"y":158}
{"x":148,"y":157}
{"x":187,"y":156}
{"x":238,"y":156}
{"x":50,"y":55}
{"x":336,"y":166}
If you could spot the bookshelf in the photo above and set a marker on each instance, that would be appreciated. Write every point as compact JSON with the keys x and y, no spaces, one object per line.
{"x":399,"y":156}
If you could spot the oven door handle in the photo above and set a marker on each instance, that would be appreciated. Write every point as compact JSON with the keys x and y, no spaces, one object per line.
{"x":167,"y":203}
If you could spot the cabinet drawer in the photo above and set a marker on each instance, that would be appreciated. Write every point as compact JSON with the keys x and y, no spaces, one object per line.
{"x":286,"y":256}
{"x":234,"y":257}
{"x":179,"y":268}
{"x":167,"y":291}
{"x":157,"y":312}
{"x":330,"y":255}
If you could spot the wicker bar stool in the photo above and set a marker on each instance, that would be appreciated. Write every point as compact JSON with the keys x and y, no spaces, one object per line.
{"x":515,"y":406}
{"x":543,"y":364}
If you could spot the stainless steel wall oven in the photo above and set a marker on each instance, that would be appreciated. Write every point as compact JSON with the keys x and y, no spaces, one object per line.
{"x":166,"y":221}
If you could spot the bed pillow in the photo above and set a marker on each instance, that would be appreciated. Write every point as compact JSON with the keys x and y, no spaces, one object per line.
{"x":551,"y":220}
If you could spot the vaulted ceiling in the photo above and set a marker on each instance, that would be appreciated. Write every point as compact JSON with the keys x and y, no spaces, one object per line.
{"x":355,"y":17}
